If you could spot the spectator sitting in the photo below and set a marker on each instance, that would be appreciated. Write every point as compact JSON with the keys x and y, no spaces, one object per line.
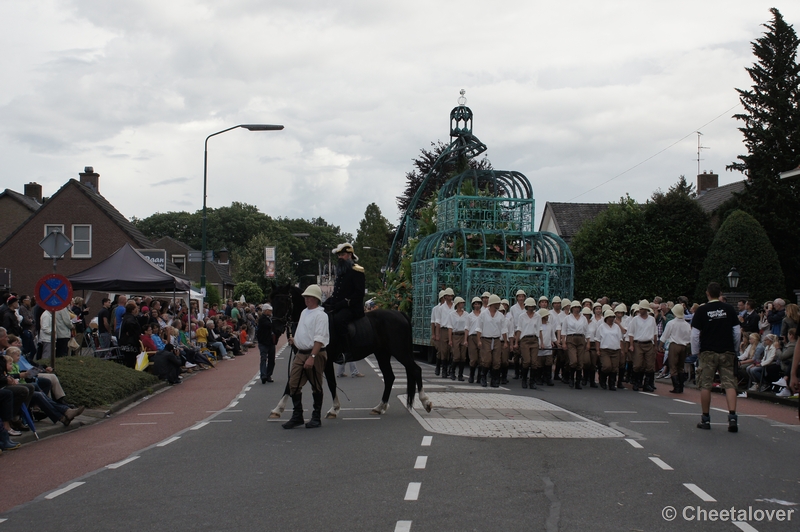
{"x":22,"y":395}
{"x":785,"y":360}
{"x":753,"y":353}
{"x":768,"y":368}
{"x":42,"y":376}
{"x":147,"y":339}
{"x":231,"y":340}
{"x":215,"y":341}
{"x":790,"y":321}
{"x":167,"y":365}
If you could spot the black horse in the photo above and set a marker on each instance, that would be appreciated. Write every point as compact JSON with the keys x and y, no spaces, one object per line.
{"x":390,"y":336}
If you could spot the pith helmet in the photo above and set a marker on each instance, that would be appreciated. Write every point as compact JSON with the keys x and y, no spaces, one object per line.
{"x":530,"y":302}
{"x":441,"y":294}
{"x":586,"y":311}
{"x":606,"y":307}
{"x":609,"y":314}
{"x":557,"y":299}
{"x":313,"y":290}
{"x":485,"y":294}
{"x":494,"y":299}
{"x":598,"y":304}
{"x":476,"y":299}
{"x":586,"y":300}
{"x":458,"y":300}
{"x":520,"y":292}
{"x":621,"y":308}
{"x":544,"y":298}
{"x":565,"y":303}
{"x":575,"y":303}
{"x":505,"y":302}
{"x":449,"y":291}
{"x":543,"y":312}
{"x":677,"y":311}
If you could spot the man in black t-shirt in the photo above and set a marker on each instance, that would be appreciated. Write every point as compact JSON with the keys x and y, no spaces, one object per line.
{"x":715,"y":332}
{"x":104,"y":324}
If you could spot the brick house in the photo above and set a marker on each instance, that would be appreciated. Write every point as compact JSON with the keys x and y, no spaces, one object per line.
{"x":96,"y":228}
{"x":218,"y":273}
{"x":15,"y":208}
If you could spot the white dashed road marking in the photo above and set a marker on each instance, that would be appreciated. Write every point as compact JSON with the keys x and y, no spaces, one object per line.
{"x":705,"y":497}
{"x":156,"y":414}
{"x":62,"y":491}
{"x":421,"y":462}
{"x":426,"y":441}
{"x":122,"y":463}
{"x":741,"y":525}
{"x":403,"y":526}
{"x":635,"y":444}
{"x":167,"y":442}
{"x":661,"y":463}
{"x":684,"y":402}
{"x":412,"y":493}
{"x":199,"y":425}
{"x":649,"y":422}
{"x":620,"y":412}
{"x":650,"y":394}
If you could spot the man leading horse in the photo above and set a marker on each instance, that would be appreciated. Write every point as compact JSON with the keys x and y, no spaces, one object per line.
{"x":346,"y":304}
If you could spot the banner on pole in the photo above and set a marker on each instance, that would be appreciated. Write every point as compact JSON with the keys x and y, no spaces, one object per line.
{"x":269,"y":262}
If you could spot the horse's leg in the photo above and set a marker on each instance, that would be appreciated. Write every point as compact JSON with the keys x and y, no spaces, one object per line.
{"x":414,"y":375}
{"x":385,"y":363}
{"x":330,"y":376}
{"x":278,"y":410}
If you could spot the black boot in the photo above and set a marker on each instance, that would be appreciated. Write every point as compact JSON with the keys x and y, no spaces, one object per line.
{"x":578,"y":374}
{"x":525,"y":378}
{"x":653,"y":381}
{"x":571,"y":377}
{"x":461,"y":371}
{"x":635,"y":376}
{"x":558,"y":374}
{"x":495,"y":378}
{"x":620,"y":385}
{"x":444,"y":369}
{"x":472,"y":374}
{"x":611,"y":378}
{"x":297,"y":415}
{"x":482,"y":376}
{"x":315,"y":422}
{"x":534,"y":377}
{"x":681,"y":380}
{"x":592,"y":383}
{"x":548,"y":380}
{"x":649,"y":377}
{"x":603,"y":378}
{"x":452,"y":371}
{"x":628,"y":373}
{"x":438,"y":367}
{"x":516,"y":371}
{"x":504,"y":375}
{"x":676,"y":384}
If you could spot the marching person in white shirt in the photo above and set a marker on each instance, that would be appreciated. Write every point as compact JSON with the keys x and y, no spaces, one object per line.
{"x":574,"y":329}
{"x":547,"y":341}
{"x":609,"y":344}
{"x":642,"y":338}
{"x":505,"y":352}
{"x":526,"y":336}
{"x":434,"y":335}
{"x":621,"y":320}
{"x":458,"y":321}
{"x":473,"y":350}
{"x":516,"y":310}
{"x":596,"y":319}
{"x":491,"y":331}
{"x":678,"y":333}
{"x":559,"y":355}
{"x":443,"y":331}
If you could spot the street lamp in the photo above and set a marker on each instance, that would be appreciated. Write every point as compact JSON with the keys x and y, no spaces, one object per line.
{"x":733,"y":278}
{"x":249,"y":127}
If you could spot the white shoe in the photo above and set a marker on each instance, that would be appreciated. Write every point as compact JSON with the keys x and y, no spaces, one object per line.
{"x":754,"y":388}
{"x":742,"y":395}
{"x":189,"y":365}
{"x":226,"y":357}
{"x":784,"y":392}
{"x":780,"y":382}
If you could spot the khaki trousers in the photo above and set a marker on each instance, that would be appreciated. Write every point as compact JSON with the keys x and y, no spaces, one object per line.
{"x":491,"y":352}
{"x":472,"y":350}
{"x":529,"y":350}
{"x":576,"y":352}
{"x":676,"y":358}
{"x":542,"y":362}
{"x":609,"y":360}
{"x":644,"y":357}
{"x":299,"y":376}
{"x":459,"y":350}
{"x":442,"y":346}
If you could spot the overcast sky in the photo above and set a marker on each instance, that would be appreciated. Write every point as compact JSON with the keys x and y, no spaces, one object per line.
{"x":569,"y":93}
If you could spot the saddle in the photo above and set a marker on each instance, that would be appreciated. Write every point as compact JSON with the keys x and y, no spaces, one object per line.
{"x":360,"y":334}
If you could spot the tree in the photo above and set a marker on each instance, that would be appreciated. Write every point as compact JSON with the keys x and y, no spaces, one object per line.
{"x":374,"y":233}
{"x":251,"y":291}
{"x":423,"y":164}
{"x":743,"y":243}
{"x":250,"y":263}
{"x":771,"y":132}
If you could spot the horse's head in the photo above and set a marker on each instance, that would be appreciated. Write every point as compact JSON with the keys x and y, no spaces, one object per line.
{"x":287,"y":304}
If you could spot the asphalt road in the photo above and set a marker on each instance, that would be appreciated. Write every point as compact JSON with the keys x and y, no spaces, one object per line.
{"x":238,"y":470}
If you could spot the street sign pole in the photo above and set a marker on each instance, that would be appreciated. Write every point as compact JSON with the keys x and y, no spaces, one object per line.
{"x":55,"y":244}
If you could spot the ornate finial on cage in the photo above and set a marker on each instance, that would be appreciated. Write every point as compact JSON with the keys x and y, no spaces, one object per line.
{"x":462,"y":100}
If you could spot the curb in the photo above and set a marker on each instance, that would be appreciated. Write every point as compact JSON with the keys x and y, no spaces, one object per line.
{"x":761,"y":396}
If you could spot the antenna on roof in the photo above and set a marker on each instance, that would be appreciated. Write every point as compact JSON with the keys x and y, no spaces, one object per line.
{"x":700,"y":147}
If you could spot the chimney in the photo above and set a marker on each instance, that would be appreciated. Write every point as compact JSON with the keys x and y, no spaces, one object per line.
{"x":90,"y":179}
{"x":34,"y":190}
{"x":222,"y":257}
{"x":706,"y":181}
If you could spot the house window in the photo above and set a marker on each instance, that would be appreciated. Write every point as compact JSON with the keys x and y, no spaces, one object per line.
{"x":180,"y":262}
{"x":81,"y":241}
{"x":49,"y":228}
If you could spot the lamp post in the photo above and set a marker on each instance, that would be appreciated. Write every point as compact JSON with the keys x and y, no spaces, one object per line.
{"x":733,"y":278}
{"x":249,"y":127}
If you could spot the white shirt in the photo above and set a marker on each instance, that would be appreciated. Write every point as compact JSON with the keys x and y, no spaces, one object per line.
{"x":556,"y":319}
{"x":491,"y":327}
{"x":435,"y":312}
{"x":677,"y":332}
{"x":313,"y":327}
{"x":516,"y":311}
{"x":626,"y":321}
{"x":473,"y":322}
{"x":593,"y":325}
{"x":443,"y":314}
{"x":547,"y":337}
{"x":575,"y":326}
{"x":529,"y":326}
{"x":642,"y":329}
{"x":457,"y":323}
{"x":510,"y":326}
{"x":609,"y":337}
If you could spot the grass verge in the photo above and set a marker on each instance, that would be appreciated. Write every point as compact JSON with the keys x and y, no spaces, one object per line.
{"x":92,"y":382}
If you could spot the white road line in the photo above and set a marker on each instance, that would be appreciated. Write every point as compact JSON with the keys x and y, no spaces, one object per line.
{"x":220,"y":421}
{"x":167,"y":442}
{"x":241,"y":396}
{"x":62,"y":491}
{"x":225,"y":410}
{"x":684,"y":402}
{"x":719,"y":410}
{"x":409,"y":522}
{"x":661,"y":422}
{"x":635,"y":444}
{"x":401,"y":526}
{"x":148,"y":423}
{"x":648,"y":393}
{"x":741,"y":525}
{"x":233,"y":404}
{"x":660,"y":463}
{"x":156,"y":414}
{"x":360,"y":418}
{"x":620,"y":412}
{"x":248,"y":388}
{"x":412,"y":493}
{"x":359,"y":408}
{"x":122,"y":463}
{"x":426,"y":441}
{"x":705,"y":497}
{"x":199,"y":425}
{"x":682,"y":413}
{"x":371,"y":363}
{"x":421,"y":462}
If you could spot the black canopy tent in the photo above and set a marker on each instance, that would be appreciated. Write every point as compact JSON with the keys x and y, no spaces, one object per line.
{"x":125,"y":271}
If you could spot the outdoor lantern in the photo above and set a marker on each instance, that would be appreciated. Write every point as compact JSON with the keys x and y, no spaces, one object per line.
{"x":733,"y":278}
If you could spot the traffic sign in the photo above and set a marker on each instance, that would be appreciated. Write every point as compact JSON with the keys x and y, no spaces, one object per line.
{"x":55,"y":244}
{"x":53,"y":292}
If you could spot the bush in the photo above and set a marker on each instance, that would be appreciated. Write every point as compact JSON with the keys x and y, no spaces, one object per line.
{"x":92,"y":382}
{"x":743,"y":243}
{"x":252,"y":292}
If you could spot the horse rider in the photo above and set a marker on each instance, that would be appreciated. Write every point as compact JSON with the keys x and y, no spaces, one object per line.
{"x":310,"y":339}
{"x":346,"y":303}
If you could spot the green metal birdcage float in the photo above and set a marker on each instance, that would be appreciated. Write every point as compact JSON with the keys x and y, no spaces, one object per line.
{"x":484,"y":240}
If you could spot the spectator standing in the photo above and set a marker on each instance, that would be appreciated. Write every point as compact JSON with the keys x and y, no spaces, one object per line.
{"x":119,"y":311}
{"x":266,"y":344}
{"x":776,"y":315}
{"x":715,"y":331}
{"x":104,"y":324}
{"x":129,"y":334}
{"x":790,"y":321}
{"x":678,"y":334}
